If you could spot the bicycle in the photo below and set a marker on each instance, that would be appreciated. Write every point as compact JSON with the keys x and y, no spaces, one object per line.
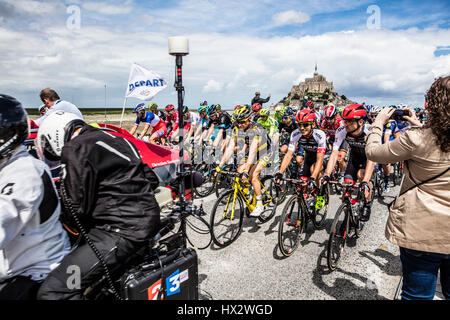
{"x":378,"y":181}
{"x":302,"y":207}
{"x":397,"y":173}
{"x":347,"y":218}
{"x":226,"y":223}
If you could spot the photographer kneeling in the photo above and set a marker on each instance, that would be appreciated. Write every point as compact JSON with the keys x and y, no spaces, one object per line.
{"x":419,"y":219}
{"x":107,"y":190}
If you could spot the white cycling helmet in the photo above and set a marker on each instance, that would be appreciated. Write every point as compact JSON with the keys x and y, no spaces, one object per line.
{"x":375,"y":109}
{"x":54,"y":132}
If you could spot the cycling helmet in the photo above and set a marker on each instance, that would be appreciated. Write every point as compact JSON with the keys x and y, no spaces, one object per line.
{"x":218,"y":107}
{"x":43,"y":109}
{"x":354,"y":111}
{"x":54,"y":132}
{"x":139,"y":108}
{"x":169,"y":107}
{"x":185,"y":109}
{"x":152,"y":106}
{"x":375,"y":110}
{"x":264,"y":112}
{"x":330,"y":111}
{"x":242,"y":113}
{"x":295,"y":108}
{"x":279,"y":109}
{"x":13,"y":125}
{"x":309,"y":105}
{"x":288,"y":112}
{"x":237,"y":106}
{"x":256,"y":107}
{"x":305,"y":116}
{"x":202,"y":109}
{"x":211,"y":110}
{"x":204,"y":103}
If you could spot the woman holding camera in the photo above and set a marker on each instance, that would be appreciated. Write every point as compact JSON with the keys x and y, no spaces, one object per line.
{"x":419,"y":219}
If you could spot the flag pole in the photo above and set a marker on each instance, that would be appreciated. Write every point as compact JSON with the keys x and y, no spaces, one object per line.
{"x":123,"y":111}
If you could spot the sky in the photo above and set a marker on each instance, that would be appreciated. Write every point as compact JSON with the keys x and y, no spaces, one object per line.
{"x":377,"y":52}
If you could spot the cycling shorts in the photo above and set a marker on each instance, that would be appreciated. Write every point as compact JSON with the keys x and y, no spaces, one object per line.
{"x":160,"y":129}
{"x":310,"y":159}
{"x":353,"y":166}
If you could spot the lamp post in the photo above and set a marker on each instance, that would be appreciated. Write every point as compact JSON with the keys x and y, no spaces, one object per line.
{"x":179,"y":47}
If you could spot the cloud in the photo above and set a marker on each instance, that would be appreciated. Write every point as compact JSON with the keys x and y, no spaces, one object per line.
{"x":212,"y":86}
{"x":106,"y":8}
{"x":290,"y":17}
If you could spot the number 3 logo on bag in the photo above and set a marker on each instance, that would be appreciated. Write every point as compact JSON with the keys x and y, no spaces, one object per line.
{"x":173,"y":283}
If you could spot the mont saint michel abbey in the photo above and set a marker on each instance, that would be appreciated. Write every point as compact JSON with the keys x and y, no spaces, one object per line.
{"x":317,"y":84}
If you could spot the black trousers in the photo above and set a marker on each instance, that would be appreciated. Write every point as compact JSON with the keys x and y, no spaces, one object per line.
{"x":19,"y":288}
{"x":81,"y":267}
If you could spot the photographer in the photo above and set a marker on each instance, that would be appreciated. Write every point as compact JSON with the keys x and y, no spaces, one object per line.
{"x":419,"y":219}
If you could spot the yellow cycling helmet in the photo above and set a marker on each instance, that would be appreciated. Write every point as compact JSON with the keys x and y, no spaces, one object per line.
{"x":242,"y":113}
{"x":264,"y":112}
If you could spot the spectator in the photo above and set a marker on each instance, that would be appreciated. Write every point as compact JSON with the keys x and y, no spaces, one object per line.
{"x":419,"y":219}
{"x":258,"y":99}
{"x":53,"y":103}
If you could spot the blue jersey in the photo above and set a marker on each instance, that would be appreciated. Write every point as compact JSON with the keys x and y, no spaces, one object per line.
{"x":390,"y":127}
{"x":149,"y":118}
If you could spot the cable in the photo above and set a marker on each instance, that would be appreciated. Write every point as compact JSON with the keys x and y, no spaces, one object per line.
{"x":68,"y":205}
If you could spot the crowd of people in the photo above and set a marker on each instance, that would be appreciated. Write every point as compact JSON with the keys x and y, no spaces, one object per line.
{"x":110,"y":190}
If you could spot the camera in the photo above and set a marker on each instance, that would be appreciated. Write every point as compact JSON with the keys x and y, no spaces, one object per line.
{"x":399,"y":114}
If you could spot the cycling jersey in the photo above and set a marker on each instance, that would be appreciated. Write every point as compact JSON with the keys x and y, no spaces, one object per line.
{"x":288,"y":129}
{"x":330,"y":130}
{"x":149,"y":118}
{"x":270,"y":124}
{"x":314,"y":143}
{"x":194,"y":119}
{"x":255,"y":131}
{"x":357,"y":159}
{"x":389,"y":128}
{"x":223,"y":121}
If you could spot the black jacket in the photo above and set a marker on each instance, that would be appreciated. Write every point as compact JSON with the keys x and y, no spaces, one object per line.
{"x":109,"y":185}
{"x":259,"y":100}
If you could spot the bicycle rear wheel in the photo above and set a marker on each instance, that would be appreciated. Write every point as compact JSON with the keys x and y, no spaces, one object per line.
{"x":338,"y":236}
{"x":226,"y":218}
{"x":292,"y":224}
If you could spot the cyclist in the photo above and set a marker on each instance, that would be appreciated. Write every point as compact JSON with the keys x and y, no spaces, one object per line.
{"x":279,"y":113}
{"x":172,"y":119}
{"x":354,"y":131}
{"x":153,"y":107}
{"x":288,"y":126}
{"x":256,"y":107}
{"x":203,"y":120}
{"x":331,"y":122}
{"x":253,"y":140}
{"x":270,"y":124}
{"x":314,"y":143}
{"x":219,"y":123}
{"x":159,"y":129}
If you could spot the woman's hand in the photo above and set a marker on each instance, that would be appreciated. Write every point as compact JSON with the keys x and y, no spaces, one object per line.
{"x":412,"y":118}
{"x":384,"y":115}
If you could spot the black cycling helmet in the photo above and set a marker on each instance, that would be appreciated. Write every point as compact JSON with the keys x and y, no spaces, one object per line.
{"x":288,"y":112}
{"x":242,"y":113}
{"x":14,"y":127}
{"x":211,"y":110}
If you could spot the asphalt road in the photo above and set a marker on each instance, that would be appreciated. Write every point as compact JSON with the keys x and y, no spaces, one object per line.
{"x":252,"y":267}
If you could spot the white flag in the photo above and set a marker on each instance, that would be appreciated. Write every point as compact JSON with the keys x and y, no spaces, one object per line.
{"x":144,"y":84}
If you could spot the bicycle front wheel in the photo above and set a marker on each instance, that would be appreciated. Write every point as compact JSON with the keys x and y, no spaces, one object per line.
{"x":226,"y":218}
{"x":292,"y":224}
{"x":208,"y":185}
{"x":338,"y":236}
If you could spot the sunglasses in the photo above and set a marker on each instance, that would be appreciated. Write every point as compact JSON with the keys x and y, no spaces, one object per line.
{"x":285,"y":118}
{"x":329,"y":118}
{"x":304,"y":125}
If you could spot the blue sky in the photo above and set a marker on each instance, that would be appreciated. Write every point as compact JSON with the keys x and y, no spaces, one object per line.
{"x":237,"y":47}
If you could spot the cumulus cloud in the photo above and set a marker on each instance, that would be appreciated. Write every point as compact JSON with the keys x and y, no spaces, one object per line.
{"x":212,"y":86}
{"x":290,"y":17}
{"x":106,"y":8}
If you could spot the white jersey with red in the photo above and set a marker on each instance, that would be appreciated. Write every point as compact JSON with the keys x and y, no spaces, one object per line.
{"x":314,"y":143}
{"x":330,"y":130}
{"x":158,"y":124}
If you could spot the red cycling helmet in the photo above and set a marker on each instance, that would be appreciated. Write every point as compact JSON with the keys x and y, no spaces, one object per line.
{"x":330,"y":112}
{"x":256,"y":107}
{"x":305,"y":116}
{"x":354,"y":111}
{"x":309,"y":104}
{"x":237,"y":106}
{"x":170,"y":107}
